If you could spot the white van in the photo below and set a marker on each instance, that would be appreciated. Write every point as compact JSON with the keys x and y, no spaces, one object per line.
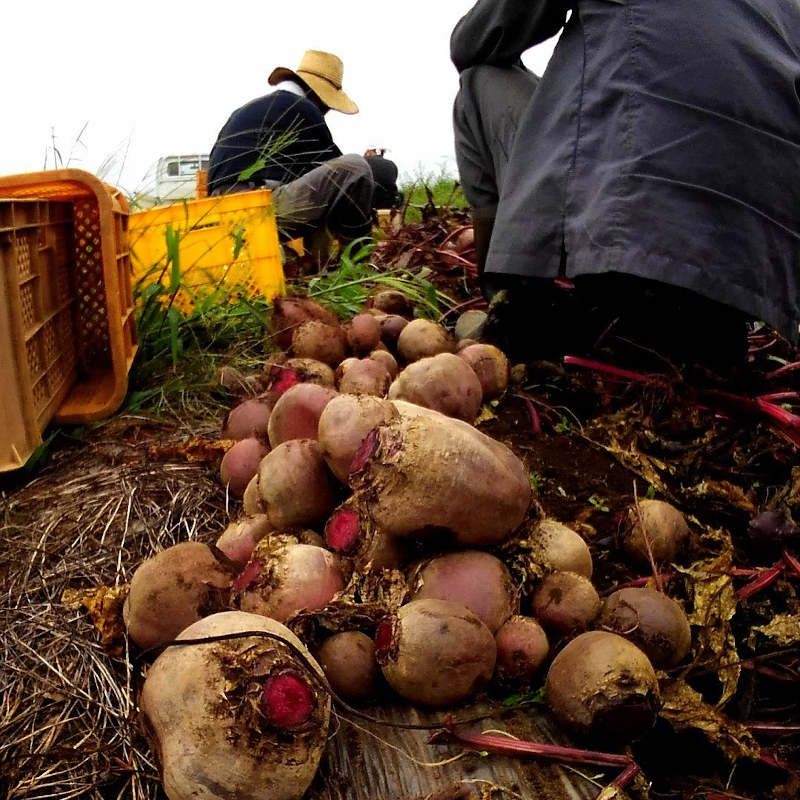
{"x":176,"y":177}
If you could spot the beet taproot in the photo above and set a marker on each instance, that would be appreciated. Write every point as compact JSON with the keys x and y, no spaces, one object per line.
{"x":252,"y":502}
{"x":558,"y":548}
{"x":173,"y":589}
{"x":363,"y":333}
{"x":428,"y":474}
{"x":566,"y":603}
{"x":443,"y":383}
{"x":348,"y":532}
{"x":366,"y":376}
{"x":290,"y":312}
{"x":387,"y":359}
{"x":476,"y":580}
{"x":422,"y":338}
{"x":490,"y":365}
{"x":603,"y":686}
{"x":281,"y":579}
{"x":248,"y":420}
{"x":240,"y":464}
{"x":345,"y":423}
{"x":435,"y":653}
{"x":348,"y":661}
{"x":391,"y":328}
{"x":297,"y":412}
{"x":522,"y":648}
{"x":319,"y":341}
{"x":391,"y":301}
{"x":244,"y":717}
{"x":655,"y":527}
{"x":652,"y":621}
{"x":239,"y":539}
{"x":295,"y":484}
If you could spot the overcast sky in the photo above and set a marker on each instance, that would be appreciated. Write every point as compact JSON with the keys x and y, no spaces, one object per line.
{"x":139,"y":80}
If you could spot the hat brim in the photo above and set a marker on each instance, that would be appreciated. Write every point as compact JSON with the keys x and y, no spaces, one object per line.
{"x":332,"y":97}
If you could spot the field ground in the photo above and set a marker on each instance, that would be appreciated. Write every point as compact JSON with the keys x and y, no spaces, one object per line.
{"x":102,"y":498}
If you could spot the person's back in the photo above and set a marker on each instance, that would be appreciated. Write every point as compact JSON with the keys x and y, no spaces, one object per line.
{"x":662,"y":142}
{"x":278,"y":137}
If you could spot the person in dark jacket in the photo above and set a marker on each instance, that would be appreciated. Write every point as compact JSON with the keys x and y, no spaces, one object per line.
{"x":653,"y":168}
{"x":280,"y":141}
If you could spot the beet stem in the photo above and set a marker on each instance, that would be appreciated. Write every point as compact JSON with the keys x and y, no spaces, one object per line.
{"x":783,"y":370}
{"x":792,"y":563}
{"x":568,"y":755}
{"x":638,"y":582}
{"x":765,"y":579}
{"x":536,"y":423}
{"x":779,"y":414}
{"x":772,"y":728}
{"x":609,"y":370}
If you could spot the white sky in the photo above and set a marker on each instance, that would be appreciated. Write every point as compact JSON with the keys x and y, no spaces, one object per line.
{"x":149,"y":79}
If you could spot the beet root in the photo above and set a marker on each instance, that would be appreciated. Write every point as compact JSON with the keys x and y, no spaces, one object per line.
{"x":281,"y":579}
{"x":652,"y":621}
{"x":326,"y":343}
{"x":252,"y":502}
{"x":656,"y":524}
{"x":173,"y":589}
{"x":295,"y":484}
{"x":604,"y":686}
{"x":345,"y":423}
{"x":566,"y":603}
{"x":490,"y":365}
{"x":391,"y":328}
{"x":476,"y":580}
{"x":297,"y":412}
{"x":561,"y":549}
{"x":387,"y":359}
{"x":302,"y":370}
{"x":248,"y":420}
{"x":522,"y":648}
{"x":291,"y":312}
{"x":363,"y":333}
{"x":240,"y":464}
{"x":239,"y":539}
{"x":435,"y":653}
{"x":349,"y":533}
{"x":443,"y":383}
{"x":429,"y":474}
{"x":366,"y":376}
{"x":209,"y":740}
{"x":422,"y":338}
{"x":348,"y":661}
{"x":391,"y":301}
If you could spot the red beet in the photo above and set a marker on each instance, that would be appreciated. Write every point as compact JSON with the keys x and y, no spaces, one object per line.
{"x":240,"y":464}
{"x":566,"y":603}
{"x":297,"y":412}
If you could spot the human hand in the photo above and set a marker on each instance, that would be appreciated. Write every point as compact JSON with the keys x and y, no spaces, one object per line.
{"x":375,"y":151}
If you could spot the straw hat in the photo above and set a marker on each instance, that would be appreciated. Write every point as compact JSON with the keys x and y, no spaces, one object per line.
{"x":323,"y":74}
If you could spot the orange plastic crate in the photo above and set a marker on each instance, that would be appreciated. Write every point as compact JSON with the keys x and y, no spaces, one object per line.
{"x":67,"y":330}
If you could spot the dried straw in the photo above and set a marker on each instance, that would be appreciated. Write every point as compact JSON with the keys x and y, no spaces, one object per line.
{"x":67,"y":722}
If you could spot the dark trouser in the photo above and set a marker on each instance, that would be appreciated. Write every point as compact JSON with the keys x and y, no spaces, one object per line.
{"x":543,"y":320}
{"x":336,"y":195}
{"x":486,"y":114}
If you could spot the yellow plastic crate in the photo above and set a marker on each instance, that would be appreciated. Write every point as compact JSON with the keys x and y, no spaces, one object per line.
{"x":67,"y":327}
{"x":227,"y":243}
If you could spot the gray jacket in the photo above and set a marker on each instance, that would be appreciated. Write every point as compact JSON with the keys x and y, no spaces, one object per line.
{"x":663,"y":141}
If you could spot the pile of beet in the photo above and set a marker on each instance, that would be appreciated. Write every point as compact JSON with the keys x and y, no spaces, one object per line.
{"x":360,"y":469}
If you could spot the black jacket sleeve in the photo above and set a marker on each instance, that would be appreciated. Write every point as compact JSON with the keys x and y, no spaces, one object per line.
{"x":499,"y":31}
